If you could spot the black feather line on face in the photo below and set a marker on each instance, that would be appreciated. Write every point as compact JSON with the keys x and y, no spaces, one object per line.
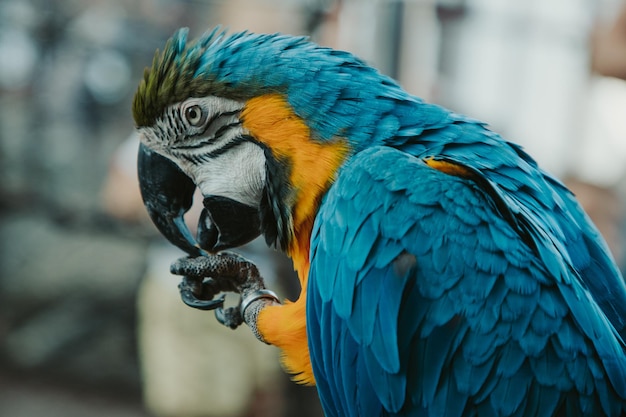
{"x":275,"y":210}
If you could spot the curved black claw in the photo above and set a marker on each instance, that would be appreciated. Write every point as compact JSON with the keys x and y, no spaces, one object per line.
{"x":229,"y":317}
{"x":199,"y":294}
{"x":206,"y":276}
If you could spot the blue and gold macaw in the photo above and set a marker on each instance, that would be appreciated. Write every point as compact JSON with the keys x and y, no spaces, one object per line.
{"x":443,"y":272}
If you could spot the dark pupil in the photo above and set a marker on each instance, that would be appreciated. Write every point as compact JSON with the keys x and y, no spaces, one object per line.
{"x":192,"y":113}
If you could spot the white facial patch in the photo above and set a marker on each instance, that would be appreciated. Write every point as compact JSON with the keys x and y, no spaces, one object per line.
{"x":238,"y":174}
{"x":211,"y":148}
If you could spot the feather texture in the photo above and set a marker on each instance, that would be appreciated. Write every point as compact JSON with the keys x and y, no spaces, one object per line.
{"x":501,"y":330}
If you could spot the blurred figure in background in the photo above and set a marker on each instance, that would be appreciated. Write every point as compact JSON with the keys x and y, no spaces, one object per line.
{"x":609,"y":46}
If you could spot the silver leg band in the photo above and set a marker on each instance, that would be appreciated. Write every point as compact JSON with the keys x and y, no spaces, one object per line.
{"x":257,"y":295}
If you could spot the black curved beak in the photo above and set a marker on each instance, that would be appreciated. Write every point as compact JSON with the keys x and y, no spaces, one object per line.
{"x":224,"y":223}
{"x":167,"y":194}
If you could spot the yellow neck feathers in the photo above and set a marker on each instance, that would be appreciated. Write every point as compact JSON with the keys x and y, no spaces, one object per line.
{"x":271,"y":121}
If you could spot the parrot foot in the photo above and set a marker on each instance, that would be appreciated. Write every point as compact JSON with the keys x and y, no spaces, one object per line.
{"x":206,"y":276}
{"x":205,"y":290}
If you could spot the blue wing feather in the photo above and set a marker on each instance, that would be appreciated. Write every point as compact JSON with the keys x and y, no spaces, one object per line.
{"x":448,"y":287}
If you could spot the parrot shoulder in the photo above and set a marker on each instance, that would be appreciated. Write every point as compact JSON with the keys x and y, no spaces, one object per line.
{"x":420,"y":290}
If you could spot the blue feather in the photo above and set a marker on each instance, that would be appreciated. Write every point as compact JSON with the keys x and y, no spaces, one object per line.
{"x":509,"y":394}
{"x":578,"y":371}
{"x":471,"y":378}
{"x":511,"y":359}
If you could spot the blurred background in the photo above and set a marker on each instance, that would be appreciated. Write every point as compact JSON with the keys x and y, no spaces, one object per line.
{"x":90,"y":319}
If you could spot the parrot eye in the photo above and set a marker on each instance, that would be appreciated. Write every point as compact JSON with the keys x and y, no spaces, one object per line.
{"x":195,"y":115}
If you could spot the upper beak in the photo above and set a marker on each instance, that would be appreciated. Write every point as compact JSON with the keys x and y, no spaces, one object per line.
{"x":167,"y":194}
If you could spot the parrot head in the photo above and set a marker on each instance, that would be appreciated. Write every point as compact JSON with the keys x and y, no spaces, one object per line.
{"x":243,"y":118}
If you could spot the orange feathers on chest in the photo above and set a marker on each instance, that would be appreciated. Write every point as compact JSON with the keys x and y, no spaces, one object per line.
{"x":313,"y":164}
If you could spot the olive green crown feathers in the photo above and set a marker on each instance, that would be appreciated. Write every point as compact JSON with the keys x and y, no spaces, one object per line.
{"x":187,"y":69}
{"x":171,"y":78}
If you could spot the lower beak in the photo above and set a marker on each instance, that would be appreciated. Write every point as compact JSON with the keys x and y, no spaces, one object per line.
{"x":226,"y":223}
{"x":167,"y":194}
